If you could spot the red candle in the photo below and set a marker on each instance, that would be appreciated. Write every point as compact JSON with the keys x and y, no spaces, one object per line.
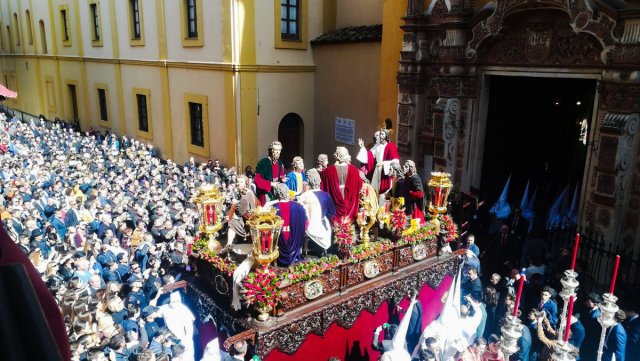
{"x":575,"y":251}
{"x":566,"y":332}
{"x":520,"y":285}
{"x":615,"y":274}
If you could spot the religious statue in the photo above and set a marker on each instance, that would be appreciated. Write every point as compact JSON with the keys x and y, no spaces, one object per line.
{"x":296,"y":179}
{"x":320,"y":209}
{"x":410,"y":187}
{"x":322,"y":162}
{"x":343,"y":183}
{"x":240,"y":210}
{"x":380,"y":161}
{"x":269,"y":172}
{"x":294,"y":227}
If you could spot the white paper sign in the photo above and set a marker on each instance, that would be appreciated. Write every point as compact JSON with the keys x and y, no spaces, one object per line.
{"x":345,"y":131}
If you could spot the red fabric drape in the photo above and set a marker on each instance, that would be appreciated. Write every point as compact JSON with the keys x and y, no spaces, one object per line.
{"x":347,"y":205}
{"x":12,"y":254}
{"x":355,"y":343}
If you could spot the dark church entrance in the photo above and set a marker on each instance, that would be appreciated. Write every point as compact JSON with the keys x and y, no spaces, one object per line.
{"x":537,"y":130}
{"x":291,"y":135}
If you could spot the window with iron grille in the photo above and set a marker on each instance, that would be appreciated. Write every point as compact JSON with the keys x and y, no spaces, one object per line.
{"x":135,"y":20}
{"x":65,"y":24}
{"x":102,"y":100}
{"x":290,"y":19}
{"x":197,"y":129}
{"x":96,"y":21}
{"x":143,"y":117}
{"x":192,"y":19}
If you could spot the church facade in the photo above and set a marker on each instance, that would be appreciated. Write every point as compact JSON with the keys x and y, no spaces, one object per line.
{"x":451,"y":49}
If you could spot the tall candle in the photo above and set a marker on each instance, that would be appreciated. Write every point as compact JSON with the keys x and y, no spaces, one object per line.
{"x":615,"y":274}
{"x":520,"y":285}
{"x":575,"y":251}
{"x":569,"y":313}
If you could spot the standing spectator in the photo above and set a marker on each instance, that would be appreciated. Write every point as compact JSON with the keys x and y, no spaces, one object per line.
{"x":473,"y":286}
{"x":549,"y":307}
{"x":592,"y":328}
{"x":615,"y":340}
{"x":473,"y":247}
{"x":632,"y":327}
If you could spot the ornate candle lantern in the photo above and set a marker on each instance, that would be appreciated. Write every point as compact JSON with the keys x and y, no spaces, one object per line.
{"x":265,"y":227}
{"x":606,"y":318}
{"x":511,"y":332}
{"x":210,"y":207}
{"x":569,"y":286}
{"x":439,"y":188}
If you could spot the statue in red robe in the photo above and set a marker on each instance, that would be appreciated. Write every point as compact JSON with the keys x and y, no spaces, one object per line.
{"x":380,"y":161}
{"x":269,"y":172}
{"x":410,"y":187}
{"x":343,"y":183}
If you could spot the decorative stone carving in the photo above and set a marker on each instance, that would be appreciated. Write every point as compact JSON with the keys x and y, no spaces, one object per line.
{"x":619,"y":97}
{"x":583,"y":20}
{"x":547,"y":40}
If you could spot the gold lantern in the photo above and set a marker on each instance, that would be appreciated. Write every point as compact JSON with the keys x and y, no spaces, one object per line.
{"x":439,"y":188}
{"x":367,"y":213}
{"x":210,"y":208}
{"x":265,"y":227}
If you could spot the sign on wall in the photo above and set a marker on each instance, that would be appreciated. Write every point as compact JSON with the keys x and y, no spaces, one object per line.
{"x":345,"y":131}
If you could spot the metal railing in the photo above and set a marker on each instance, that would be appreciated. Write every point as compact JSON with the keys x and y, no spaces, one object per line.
{"x":596,"y":258}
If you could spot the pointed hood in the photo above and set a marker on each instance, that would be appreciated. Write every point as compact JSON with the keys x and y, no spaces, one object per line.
{"x":501,"y":208}
{"x":525,"y":197}
{"x":572,"y":215}
{"x":554,"y":217}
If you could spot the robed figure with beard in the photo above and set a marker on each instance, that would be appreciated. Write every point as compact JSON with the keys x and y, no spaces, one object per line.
{"x":269,"y":172}
{"x":380,"y":161}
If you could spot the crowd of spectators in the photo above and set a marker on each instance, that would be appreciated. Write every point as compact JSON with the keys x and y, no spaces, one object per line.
{"x":108,"y":224}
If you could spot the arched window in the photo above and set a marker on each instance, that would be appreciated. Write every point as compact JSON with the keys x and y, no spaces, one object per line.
{"x":17,"y":27}
{"x":29,"y":28}
{"x":43,"y":37}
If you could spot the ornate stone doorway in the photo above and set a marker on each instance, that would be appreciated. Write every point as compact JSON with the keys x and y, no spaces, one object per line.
{"x":451,"y":49}
{"x":536,"y":129}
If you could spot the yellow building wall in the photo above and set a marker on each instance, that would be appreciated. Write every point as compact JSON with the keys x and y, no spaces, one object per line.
{"x":359,"y":12}
{"x":144,"y":77}
{"x":345,"y":88}
{"x":278,"y":95}
{"x":212,"y":36}
{"x":149,"y":49}
{"x":99,"y":75}
{"x":392,"y":35}
{"x":265,"y":47}
{"x":105,"y":48}
{"x":200,"y":82}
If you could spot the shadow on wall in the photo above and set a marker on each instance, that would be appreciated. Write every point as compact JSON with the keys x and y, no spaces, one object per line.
{"x":356,"y":353}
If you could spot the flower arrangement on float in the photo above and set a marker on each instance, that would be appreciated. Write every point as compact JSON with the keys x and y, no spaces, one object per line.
{"x":304,"y":271}
{"x":397,"y":222}
{"x":261,"y":288}
{"x":201,"y":248}
{"x":344,"y":236}
{"x":450,"y":226}
{"x":364,"y":252}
